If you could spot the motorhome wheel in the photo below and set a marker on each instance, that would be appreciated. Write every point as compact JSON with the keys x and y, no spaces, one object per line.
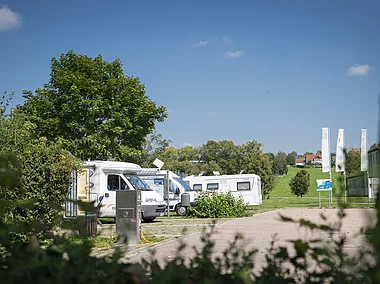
{"x":181,"y":211}
{"x":148,"y":219}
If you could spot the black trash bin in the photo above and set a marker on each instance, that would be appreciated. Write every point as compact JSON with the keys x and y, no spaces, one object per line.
{"x":87,"y":225}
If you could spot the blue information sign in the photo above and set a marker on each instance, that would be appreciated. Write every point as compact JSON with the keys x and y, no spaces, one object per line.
{"x":324,"y":184}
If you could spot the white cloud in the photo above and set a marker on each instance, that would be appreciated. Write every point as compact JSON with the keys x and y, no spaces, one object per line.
{"x":187,"y":144}
{"x":234,"y":54}
{"x":358,"y":70}
{"x":201,"y":43}
{"x":227,"y":40}
{"x":9,"y":19}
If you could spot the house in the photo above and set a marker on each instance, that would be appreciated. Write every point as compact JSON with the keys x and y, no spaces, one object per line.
{"x":374,"y":162}
{"x":315,"y":159}
{"x":300,"y":161}
{"x":374,"y":170}
{"x":363,"y":185}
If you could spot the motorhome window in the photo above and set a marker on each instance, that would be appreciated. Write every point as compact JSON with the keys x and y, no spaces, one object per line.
{"x":115,"y":182}
{"x":171,"y":186}
{"x":138,"y":184}
{"x":197,"y":187}
{"x":212,"y":186}
{"x":246,"y":185}
{"x":185,"y":185}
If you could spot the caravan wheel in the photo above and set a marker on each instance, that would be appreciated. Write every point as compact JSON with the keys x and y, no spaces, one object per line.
{"x":181,"y":211}
{"x":148,"y":219}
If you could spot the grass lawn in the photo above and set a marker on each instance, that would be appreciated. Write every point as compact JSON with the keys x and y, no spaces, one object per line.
{"x":282,"y":197}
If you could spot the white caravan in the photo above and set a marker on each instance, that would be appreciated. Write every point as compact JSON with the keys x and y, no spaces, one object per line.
{"x":248,"y":186}
{"x":98,"y":181}
{"x":155,"y":178}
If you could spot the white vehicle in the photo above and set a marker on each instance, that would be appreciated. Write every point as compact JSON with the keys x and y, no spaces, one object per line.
{"x":248,"y":186}
{"x":98,"y":181}
{"x":155,"y":178}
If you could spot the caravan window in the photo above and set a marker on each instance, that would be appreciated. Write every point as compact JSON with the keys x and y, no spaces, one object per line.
{"x":138,"y":183}
{"x":246,"y":185}
{"x":116,"y":182}
{"x":171,"y":187}
{"x":197,"y":187}
{"x":212,"y":186}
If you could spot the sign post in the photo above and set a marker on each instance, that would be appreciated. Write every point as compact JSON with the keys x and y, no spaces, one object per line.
{"x":324,"y":185}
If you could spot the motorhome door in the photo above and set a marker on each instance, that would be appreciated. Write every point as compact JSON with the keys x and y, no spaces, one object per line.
{"x":108,"y":202}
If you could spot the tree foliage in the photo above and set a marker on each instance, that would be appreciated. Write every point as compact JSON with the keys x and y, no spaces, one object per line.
{"x":291,"y":158}
{"x":299,"y":184}
{"x":353,"y":161}
{"x":279,"y":166}
{"x":91,"y":108}
{"x":153,"y":146}
{"x":45,"y":178}
{"x":223,"y":156}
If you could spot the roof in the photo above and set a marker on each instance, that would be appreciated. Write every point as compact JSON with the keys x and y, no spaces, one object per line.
{"x":313,"y":156}
{"x":377,"y":148}
{"x":309,"y":157}
{"x":122,"y":167}
{"x":300,"y":160}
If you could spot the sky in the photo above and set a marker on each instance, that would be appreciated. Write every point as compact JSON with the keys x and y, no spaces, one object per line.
{"x":271,"y":71}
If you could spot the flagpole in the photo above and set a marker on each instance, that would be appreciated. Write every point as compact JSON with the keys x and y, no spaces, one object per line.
{"x":345,"y":186}
{"x":330,"y":192}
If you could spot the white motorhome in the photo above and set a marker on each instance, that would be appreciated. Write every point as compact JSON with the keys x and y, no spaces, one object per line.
{"x":155,"y":178}
{"x":98,"y":181}
{"x":248,"y":186}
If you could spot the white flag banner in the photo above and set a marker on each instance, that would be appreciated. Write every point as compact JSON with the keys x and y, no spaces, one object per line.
{"x":363,"y":151}
{"x":340,"y":159}
{"x":326,"y":164}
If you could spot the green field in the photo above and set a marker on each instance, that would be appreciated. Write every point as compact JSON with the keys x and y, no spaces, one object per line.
{"x":281,"y":196}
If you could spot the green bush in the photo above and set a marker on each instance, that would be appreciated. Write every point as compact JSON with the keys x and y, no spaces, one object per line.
{"x":44,"y":186}
{"x":219,"y":206}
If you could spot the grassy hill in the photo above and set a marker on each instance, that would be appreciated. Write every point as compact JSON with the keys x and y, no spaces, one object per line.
{"x":281,"y":196}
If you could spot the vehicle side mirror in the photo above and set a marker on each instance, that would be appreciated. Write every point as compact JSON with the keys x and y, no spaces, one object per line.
{"x":177,"y":191}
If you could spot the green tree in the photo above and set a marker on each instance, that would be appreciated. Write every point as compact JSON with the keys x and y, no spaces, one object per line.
{"x":270,"y":156}
{"x":279,"y":166}
{"x":209,"y":168}
{"x":224,"y":153}
{"x":153,"y":146}
{"x":308,"y":153}
{"x":353,"y":161}
{"x":291,"y":158}
{"x":319,"y":152}
{"x":179,"y":159}
{"x":92,"y":108}
{"x":253,"y":161}
{"x":299,"y":184}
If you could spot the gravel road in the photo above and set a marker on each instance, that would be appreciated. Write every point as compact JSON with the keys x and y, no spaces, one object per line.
{"x":258,"y":230}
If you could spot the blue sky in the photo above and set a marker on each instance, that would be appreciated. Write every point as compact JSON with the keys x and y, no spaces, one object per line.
{"x":271,"y":71}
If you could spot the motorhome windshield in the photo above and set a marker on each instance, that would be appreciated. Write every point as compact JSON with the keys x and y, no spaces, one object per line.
{"x":138,"y":183}
{"x":184,"y":184}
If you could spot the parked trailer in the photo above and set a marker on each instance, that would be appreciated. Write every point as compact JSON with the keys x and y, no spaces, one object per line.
{"x":156,"y":179}
{"x":248,"y":186}
{"x":98,"y":182}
